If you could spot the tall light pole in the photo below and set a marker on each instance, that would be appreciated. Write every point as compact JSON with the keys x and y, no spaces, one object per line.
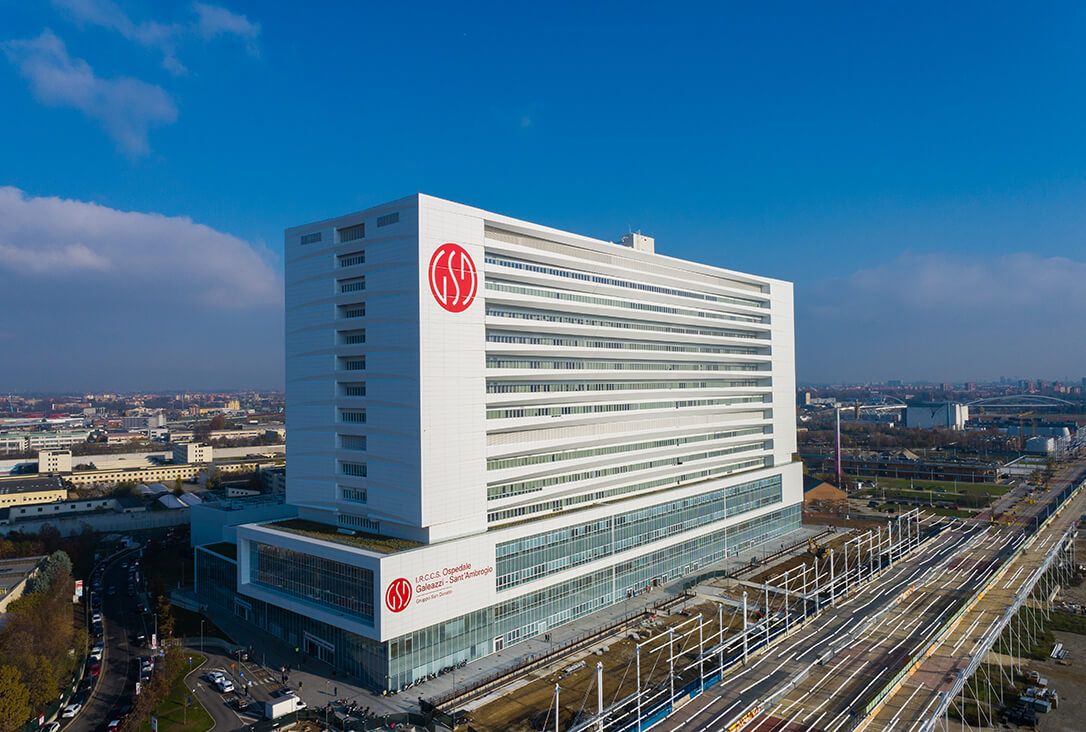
{"x":837,"y":456}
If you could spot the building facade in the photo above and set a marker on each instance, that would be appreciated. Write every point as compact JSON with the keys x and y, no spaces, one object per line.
{"x":192,"y":453}
{"x":948,"y":415}
{"x":497,"y":427}
{"x":54,"y":461}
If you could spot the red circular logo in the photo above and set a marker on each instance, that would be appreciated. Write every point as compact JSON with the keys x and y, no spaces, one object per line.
{"x":398,"y":595}
{"x":453,"y":279}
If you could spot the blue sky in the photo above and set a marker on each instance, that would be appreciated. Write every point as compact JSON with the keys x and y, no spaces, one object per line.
{"x":916,"y":170}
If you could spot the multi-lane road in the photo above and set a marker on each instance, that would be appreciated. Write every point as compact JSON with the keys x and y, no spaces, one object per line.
{"x":120,"y":665}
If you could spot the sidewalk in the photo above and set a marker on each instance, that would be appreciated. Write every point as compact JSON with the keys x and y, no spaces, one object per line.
{"x":314,"y":681}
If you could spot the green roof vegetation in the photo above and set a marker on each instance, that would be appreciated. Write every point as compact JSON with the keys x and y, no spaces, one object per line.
{"x":360,"y":539}
{"x":224,"y":549}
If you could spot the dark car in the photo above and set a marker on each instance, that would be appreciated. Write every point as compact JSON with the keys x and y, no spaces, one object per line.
{"x":240,"y":654}
{"x":112,"y":590}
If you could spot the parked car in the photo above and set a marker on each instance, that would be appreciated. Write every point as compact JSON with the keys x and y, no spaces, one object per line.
{"x":225,"y":686}
{"x":70,"y":711}
{"x":51,"y":727}
{"x":240,"y":654}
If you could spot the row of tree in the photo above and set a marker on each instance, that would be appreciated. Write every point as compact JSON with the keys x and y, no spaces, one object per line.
{"x":168,"y":670}
{"x":40,"y":644}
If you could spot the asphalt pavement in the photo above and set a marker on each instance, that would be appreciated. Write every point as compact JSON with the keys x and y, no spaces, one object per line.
{"x":119,"y":672}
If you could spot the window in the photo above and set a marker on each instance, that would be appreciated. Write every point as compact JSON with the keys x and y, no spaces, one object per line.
{"x":351,"y":259}
{"x":360,"y":522}
{"x":352,"y":442}
{"x":354,"y":310}
{"x":355,"y":470}
{"x":357,"y":495}
{"x":351,"y":233}
{"x":311,"y":238}
{"x":352,"y":337}
{"x":352,"y":388}
{"x":387,"y":219}
{"x":352,"y":363}
{"x":355,"y":284}
{"x":352,"y":416}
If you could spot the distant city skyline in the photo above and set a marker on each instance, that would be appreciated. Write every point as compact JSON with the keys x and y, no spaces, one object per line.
{"x":916,"y":171}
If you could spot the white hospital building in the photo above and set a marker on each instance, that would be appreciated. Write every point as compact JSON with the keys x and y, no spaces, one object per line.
{"x":496,"y":427}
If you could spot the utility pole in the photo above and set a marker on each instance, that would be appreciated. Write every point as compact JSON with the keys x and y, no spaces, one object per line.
{"x":833,"y":588}
{"x":599,"y":695}
{"x":745,"y":627}
{"x":556,"y":708}
{"x":837,"y":456}
{"x":671,"y":665}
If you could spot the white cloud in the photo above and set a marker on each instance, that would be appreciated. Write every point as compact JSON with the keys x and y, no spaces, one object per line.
{"x":940,"y":317}
{"x":125,"y":107}
{"x":108,"y":14}
{"x":214,"y":21}
{"x":90,"y":249}
{"x":211,"y":21}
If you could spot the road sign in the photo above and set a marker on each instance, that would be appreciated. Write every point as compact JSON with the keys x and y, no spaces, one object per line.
{"x":154,"y":724}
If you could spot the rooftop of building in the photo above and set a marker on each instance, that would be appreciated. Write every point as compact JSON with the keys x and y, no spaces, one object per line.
{"x":12,"y":571}
{"x":223,"y":549}
{"x":358,"y":539}
{"x":31,"y":485}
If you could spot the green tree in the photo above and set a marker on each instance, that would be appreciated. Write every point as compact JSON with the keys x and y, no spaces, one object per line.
{"x":165,"y":618}
{"x":125,"y":489}
{"x":42,"y":681}
{"x":14,"y":699}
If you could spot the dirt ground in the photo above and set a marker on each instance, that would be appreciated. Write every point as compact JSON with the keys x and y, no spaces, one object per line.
{"x":1070,"y":683}
{"x":829,"y":519}
{"x":529,"y":702}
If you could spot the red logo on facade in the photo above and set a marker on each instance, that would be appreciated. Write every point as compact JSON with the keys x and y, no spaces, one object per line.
{"x":453,"y":279}
{"x":398,"y":595}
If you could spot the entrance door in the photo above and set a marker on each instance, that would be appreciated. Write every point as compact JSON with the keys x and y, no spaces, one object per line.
{"x":319,"y":650}
{"x":499,"y":643}
{"x":243,"y":610}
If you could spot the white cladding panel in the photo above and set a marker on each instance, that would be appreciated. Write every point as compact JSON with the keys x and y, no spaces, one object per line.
{"x":452,"y":382}
{"x":585,"y":369}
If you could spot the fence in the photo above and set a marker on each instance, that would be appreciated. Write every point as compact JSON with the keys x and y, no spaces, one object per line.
{"x":501,"y":677}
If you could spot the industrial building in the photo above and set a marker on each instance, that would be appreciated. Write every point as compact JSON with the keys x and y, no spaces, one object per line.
{"x":23,"y":491}
{"x":498,"y":427}
{"x":949,"y":415}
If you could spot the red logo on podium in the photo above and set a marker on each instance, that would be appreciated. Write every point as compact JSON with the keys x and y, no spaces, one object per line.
{"x":453,"y":278}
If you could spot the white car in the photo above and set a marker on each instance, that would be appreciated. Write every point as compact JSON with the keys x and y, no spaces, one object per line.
{"x":216,"y":677}
{"x":52,"y":727}
{"x":96,"y":654}
{"x":96,"y":617}
{"x":71,"y":710}
{"x":225,"y":686}
{"x":99,"y":646}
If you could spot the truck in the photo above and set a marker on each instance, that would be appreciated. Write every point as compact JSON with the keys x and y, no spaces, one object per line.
{"x":282,"y":704}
